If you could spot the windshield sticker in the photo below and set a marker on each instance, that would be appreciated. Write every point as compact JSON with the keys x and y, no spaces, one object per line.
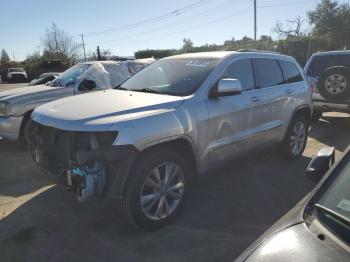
{"x":198,"y":63}
{"x":344,"y":205}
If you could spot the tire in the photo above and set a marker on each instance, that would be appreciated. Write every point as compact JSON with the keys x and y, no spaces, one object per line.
{"x":298,"y":130}
{"x":334,"y":83}
{"x":169,"y":205}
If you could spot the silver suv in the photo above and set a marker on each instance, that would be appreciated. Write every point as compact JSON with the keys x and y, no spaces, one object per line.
{"x":178,"y":118}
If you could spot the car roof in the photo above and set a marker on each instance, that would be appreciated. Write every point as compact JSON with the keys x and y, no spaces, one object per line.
{"x":338,"y":52}
{"x":241,"y":53}
{"x":216,"y":54}
{"x":101,"y":62}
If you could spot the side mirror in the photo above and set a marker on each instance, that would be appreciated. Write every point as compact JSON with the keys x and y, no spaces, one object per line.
{"x":87,"y":85}
{"x":320,"y":164}
{"x":227,"y":87}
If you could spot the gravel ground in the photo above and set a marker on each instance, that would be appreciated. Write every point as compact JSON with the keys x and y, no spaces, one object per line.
{"x":227,"y":209}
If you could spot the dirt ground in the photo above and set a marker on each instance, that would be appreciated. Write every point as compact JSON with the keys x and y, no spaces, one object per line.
{"x":227,"y":210}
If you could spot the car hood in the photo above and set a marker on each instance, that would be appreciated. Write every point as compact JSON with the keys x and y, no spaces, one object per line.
{"x":99,"y":110}
{"x":297,"y":243}
{"x":24,"y":91}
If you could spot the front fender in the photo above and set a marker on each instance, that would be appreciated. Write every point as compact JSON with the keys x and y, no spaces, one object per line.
{"x":155,"y":128}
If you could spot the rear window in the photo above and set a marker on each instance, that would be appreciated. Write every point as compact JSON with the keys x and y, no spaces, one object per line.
{"x":320,"y":63}
{"x":268,"y":72}
{"x":291,"y":73}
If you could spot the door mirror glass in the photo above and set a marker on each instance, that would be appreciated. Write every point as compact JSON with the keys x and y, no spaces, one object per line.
{"x":228,"y":87}
{"x":321,"y":163}
{"x":87,"y":85}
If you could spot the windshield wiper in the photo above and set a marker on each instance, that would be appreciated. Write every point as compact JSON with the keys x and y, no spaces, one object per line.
{"x":147,"y":90}
{"x":119,"y":87}
{"x":333,"y":214}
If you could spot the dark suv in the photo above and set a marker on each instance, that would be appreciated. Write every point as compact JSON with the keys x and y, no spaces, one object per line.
{"x":329,"y":72}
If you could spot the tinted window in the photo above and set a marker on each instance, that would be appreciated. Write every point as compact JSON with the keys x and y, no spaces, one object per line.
{"x":291,"y":73}
{"x":320,"y":63}
{"x":269,"y":72}
{"x":243,"y":71}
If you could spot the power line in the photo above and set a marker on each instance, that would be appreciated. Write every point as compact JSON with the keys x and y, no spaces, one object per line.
{"x":190,"y":28}
{"x":153,"y":19}
{"x":213,"y":21}
{"x":167,"y":26}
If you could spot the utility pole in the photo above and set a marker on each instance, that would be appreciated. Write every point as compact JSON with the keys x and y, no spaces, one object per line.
{"x":82,"y":40}
{"x":38,"y":46}
{"x":98,"y":53}
{"x":14,"y":58}
{"x":255,"y":20}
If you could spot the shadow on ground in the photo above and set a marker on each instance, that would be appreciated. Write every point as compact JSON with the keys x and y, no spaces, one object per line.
{"x":227,"y":210}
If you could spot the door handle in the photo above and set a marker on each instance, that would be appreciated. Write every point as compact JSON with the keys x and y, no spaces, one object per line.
{"x":289,"y":91}
{"x":255,"y":99}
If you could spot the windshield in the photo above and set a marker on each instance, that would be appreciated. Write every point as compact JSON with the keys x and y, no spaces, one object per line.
{"x":69,"y":76}
{"x":175,"y":76}
{"x":11,"y":70}
{"x":337,"y":196}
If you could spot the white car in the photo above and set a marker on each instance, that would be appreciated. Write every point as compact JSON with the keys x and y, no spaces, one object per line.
{"x":16,"y":105}
{"x":16,"y":75}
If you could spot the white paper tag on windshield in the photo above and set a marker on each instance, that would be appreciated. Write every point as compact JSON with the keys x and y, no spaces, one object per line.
{"x":198,"y":63}
{"x":344,"y":205}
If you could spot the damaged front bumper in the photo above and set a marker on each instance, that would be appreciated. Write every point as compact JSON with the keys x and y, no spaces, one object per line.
{"x":84,"y":162}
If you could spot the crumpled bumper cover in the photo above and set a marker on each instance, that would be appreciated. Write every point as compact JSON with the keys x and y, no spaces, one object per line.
{"x":118,"y":159}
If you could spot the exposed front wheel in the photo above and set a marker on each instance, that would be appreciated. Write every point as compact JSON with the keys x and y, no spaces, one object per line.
{"x":296,"y":137}
{"x":157,"y":189}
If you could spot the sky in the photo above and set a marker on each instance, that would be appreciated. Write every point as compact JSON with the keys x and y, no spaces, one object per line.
{"x":124,"y":27}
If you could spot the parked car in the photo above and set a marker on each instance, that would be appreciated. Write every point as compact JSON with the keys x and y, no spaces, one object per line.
{"x":17,"y":104}
{"x":329,"y":72}
{"x":16,"y":75}
{"x":138,"y":64}
{"x":180,"y":116}
{"x":44,"y":78}
{"x":317,"y":228}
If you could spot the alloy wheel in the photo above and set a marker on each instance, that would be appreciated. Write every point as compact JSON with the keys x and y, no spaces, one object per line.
{"x":162,"y":191}
{"x":298,"y":137}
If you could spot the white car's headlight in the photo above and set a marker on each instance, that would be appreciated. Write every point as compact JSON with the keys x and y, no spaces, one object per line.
{"x":5,"y":108}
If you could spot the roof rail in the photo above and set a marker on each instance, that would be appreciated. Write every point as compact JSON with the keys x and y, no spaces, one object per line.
{"x":256,"y":50}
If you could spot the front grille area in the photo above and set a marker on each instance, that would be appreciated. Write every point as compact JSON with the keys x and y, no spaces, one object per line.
{"x":56,"y":149}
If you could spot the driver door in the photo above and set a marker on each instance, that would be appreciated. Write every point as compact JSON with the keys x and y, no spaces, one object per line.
{"x":233,"y":120}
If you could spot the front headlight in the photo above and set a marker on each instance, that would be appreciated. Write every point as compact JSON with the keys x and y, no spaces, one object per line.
{"x":5,"y":108}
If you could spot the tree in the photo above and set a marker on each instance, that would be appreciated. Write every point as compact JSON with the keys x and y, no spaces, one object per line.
{"x":293,"y":28}
{"x":59,"y":44}
{"x":332,"y":21}
{"x":187,"y":45}
{"x":4,"y":58}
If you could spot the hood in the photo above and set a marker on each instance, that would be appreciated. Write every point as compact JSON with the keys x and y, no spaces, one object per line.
{"x":24,"y":91}
{"x":99,"y":110}
{"x":297,"y":243}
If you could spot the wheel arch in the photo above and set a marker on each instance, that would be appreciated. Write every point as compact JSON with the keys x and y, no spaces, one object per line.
{"x":182,"y":144}
{"x":305,"y":111}
{"x":26,"y":116}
